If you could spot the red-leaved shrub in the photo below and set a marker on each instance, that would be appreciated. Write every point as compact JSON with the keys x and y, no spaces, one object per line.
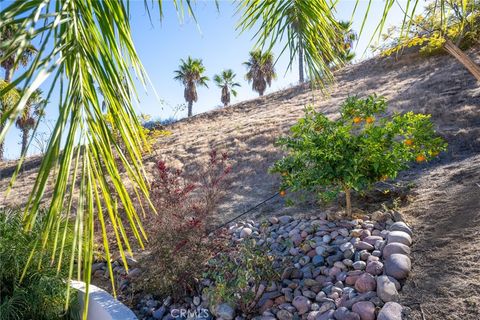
{"x":186,"y":201}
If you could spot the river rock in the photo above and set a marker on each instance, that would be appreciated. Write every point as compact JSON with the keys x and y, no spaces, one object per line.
{"x":285,"y":219}
{"x":327,"y":315}
{"x":359,"y":265}
{"x":399,"y":237}
{"x":362,"y":245}
{"x":386,"y":289}
{"x":401,"y":226}
{"x":225,"y":311}
{"x":158,"y":314}
{"x":374,"y":268}
{"x":273,"y":220}
{"x":390,"y":311}
{"x":366,"y":282}
{"x":365,"y":309}
{"x":245,"y":233}
{"x":302,"y":304}
{"x":398,"y":266}
{"x":343,"y":313}
{"x":284,"y":315}
{"x":318,"y":260}
{"x":395,"y":247}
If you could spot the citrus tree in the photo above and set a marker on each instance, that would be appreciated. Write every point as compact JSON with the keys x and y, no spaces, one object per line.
{"x":363,"y":146}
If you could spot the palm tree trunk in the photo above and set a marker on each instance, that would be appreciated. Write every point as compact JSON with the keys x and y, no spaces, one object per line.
{"x":190,"y":104}
{"x":300,"y":63}
{"x":464,"y":59}
{"x":8,"y":77}
{"x":8,"y":74}
{"x":25,"y":134}
{"x":2,"y":145}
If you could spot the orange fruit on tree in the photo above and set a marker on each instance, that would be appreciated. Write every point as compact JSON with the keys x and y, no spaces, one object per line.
{"x":284,"y":174}
{"x":357,"y":120}
{"x":409,"y":142}
{"x":283,"y":193}
{"x":384,"y":178}
{"x":370,"y":119}
{"x":420,"y":158}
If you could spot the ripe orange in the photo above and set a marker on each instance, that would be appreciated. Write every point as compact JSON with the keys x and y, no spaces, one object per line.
{"x":384,"y":178}
{"x":420,"y":158}
{"x":283,"y":193}
{"x":357,"y":120}
{"x":409,"y":142}
{"x":370,"y":119}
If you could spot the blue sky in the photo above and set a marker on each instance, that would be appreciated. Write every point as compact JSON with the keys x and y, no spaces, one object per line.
{"x":161,"y":45}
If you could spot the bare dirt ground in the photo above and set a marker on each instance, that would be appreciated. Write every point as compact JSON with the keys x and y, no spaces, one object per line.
{"x":445,"y":281}
{"x":444,"y":203}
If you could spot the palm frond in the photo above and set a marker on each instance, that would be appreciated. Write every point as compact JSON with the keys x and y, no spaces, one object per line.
{"x":92,"y":47}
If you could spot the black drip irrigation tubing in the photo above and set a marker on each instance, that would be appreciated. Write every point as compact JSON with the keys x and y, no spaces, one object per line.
{"x":245,"y":212}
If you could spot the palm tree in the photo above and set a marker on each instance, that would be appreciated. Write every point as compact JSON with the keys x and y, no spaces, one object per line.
{"x":34,"y":109}
{"x":190,"y":73}
{"x":261,"y":71}
{"x":225,"y":81}
{"x":9,"y":60}
{"x":348,"y":37}
{"x":7,"y":100}
{"x":308,"y":30}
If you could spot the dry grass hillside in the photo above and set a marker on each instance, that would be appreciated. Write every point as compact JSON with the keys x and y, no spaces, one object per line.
{"x":444,"y":206}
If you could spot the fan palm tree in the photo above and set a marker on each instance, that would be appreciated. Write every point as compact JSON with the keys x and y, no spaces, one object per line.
{"x":190,"y":73}
{"x":34,"y":108}
{"x":226,"y":82}
{"x":9,"y":60}
{"x":261,"y":71}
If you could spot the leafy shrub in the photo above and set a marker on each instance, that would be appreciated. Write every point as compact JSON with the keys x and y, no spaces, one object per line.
{"x":42,"y":293}
{"x":185,"y":203}
{"x":429,"y":31}
{"x":238,"y":274}
{"x":360,"y":148}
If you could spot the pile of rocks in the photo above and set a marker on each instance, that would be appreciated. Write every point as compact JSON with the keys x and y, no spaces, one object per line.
{"x":343,"y":270}
{"x":348,"y":269}
{"x":123,"y":278}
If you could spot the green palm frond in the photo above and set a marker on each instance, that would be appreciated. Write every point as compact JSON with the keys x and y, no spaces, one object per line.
{"x":9,"y":96}
{"x":289,"y":22}
{"x":92,"y":47}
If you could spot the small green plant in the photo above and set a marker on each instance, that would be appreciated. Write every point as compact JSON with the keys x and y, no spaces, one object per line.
{"x":361,"y":147}
{"x":238,"y":274}
{"x":42,"y":293}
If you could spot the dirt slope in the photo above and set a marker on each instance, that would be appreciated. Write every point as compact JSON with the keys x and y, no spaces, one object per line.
{"x":445,"y":211}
